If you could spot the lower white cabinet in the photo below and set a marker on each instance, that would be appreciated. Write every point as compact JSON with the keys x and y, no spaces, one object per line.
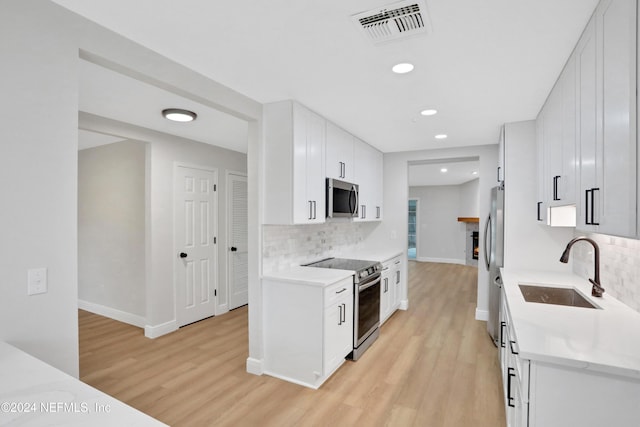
{"x":543,"y":394}
{"x":308,"y":329}
{"x":390,"y":287}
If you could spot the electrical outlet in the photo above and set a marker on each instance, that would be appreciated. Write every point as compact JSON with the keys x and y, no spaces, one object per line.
{"x":36,"y":281}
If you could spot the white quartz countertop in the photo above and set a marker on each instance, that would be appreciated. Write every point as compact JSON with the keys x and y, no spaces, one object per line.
{"x":372,"y":254}
{"x":312,"y":276}
{"x":606,"y":339}
{"x":35,"y":394}
{"x":316,"y":276}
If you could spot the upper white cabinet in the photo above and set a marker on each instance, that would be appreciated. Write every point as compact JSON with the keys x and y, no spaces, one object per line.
{"x":607,"y":94}
{"x":586,"y":131}
{"x":294,"y":139}
{"x":557,"y":136}
{"x":339,"y":161}
{"x":368,"y":176}
{"x":500,"y":171}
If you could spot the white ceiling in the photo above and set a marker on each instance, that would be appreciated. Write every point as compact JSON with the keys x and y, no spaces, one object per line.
{"x":485,"y":62}
{"x":115,"y":96}
{"x":431,"y":173}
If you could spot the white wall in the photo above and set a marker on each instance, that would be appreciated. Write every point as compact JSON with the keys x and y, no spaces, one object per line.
{"x":163,"y":151}
{"x":38,"y":180}
{"x":38,"y":221}
{"x":440,"y":235}
{"x":392,"y":232}
{"x":528,"y":243}
{"x":470,"y":199}
{"x":111,"y":230}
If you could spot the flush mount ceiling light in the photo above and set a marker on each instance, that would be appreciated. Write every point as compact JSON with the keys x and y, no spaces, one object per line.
{"x":474,"y":173}
{"x":402,"y":68}
{"x":429,"y":112}
{"x":179,"y":115}
{"x":443,"y":170}
{"x":441,"y":136}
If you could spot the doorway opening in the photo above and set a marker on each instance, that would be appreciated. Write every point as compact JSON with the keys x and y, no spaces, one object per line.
{"x":412,"y":241}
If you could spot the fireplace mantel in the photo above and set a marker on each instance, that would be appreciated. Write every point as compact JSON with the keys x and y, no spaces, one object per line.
{"x":468,"y":219}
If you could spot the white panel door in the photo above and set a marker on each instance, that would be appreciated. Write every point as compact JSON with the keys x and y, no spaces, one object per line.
{"x":195,"y":227}
{"x":238,"y":241}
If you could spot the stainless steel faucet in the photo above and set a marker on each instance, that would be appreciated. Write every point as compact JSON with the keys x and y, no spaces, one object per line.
{"x":597,"y":290}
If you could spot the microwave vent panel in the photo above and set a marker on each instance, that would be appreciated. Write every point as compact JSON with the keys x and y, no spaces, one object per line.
{"x":394,"y":22}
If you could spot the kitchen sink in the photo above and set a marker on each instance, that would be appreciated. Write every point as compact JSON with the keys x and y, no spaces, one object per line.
{"x":551,"y":295}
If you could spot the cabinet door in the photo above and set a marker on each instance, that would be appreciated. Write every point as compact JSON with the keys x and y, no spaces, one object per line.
{"x":386,"y":284}
{"x":308,"y":156}
{"x":338,"y":336}
{"x":500,"y":171}
{"x":339,"y":159}
{"x":617,"y":146}
{"x":587,"y":122}
{"x":397,"y":284}
{"x":316,"y":184}
{"x":566,"y":184}
{"x":552,"y":134}
{"x":541,"y":205}
{"x":368,"y":175}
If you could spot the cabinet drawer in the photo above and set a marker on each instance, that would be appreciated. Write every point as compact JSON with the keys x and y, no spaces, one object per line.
{"x":335,"y":292}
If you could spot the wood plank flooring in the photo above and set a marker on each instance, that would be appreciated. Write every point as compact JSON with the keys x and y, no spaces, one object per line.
{"x":433,"y":365}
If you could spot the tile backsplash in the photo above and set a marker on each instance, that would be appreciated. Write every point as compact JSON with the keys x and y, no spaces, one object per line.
{"x":285,"y":246}
{"x":619,"y":265}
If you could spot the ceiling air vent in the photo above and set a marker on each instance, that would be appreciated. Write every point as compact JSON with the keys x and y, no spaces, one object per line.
{"x":393,"y":22}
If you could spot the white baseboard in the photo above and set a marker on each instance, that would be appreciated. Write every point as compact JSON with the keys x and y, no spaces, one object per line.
{"x":404,"y":304}
{"x":442,"y":260}
{"x":112,"y":313}
{"x":482,"y":314}
{"x":160,"y":330}
{"x":254,"y":366}
{"x":222,"y":309}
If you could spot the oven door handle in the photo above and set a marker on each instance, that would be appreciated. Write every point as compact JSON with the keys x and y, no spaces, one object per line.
{"x":369,"y":284}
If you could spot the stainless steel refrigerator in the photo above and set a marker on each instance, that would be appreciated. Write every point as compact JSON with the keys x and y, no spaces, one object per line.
{"x":494,"y":258}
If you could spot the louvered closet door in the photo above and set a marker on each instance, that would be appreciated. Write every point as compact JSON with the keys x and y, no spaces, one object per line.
{"x":238,"y":251}
{"x":195,"y":239}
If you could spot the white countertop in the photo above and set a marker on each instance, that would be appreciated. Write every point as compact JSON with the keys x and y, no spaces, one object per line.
{"x":312,"y":276}
{"x":34,"y":394}
{"x":605,"y":339}
{"x":315,"y":276}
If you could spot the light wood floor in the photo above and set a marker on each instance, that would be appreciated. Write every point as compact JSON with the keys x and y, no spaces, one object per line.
{"x":433,"y":365}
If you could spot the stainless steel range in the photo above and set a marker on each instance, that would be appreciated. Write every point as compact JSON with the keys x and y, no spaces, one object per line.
{"x":366,"y":300}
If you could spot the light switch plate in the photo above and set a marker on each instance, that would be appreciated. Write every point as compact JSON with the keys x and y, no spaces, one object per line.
{"x":36,"y":281}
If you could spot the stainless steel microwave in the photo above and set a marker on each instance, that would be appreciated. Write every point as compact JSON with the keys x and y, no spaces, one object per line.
{"x":342,"y":199}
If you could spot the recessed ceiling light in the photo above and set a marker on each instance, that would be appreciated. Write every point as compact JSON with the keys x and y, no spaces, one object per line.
{"x":443,"y":170}
{"x":179,"y":115}
{"x":474,"y":173}
{"x":428,"y":112}
{"x":402,"y":68}
{"x":441,"y":136}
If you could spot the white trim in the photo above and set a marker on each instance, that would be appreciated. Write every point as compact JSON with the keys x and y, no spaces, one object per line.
{"x":160,"y":330}
{"x":482,"y":314}
{"x":112,"y":313}
{"x":254,"y":366}
{"x":442,"y":260}
{"x":404,"y":304}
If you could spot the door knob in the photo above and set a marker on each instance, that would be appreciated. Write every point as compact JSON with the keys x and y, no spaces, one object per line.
{"x":233,"y":249}
{"x":183,"y":255}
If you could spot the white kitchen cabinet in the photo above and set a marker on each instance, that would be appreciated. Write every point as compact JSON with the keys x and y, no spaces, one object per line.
{"x":308,"y":329}
{"x":606,"y":56}
{"x":556,"y":129}
{"x":501,"y":162}
{"x":368,"y":176}
{"x":340,"y":154}
{"x":390,"y":287}
{"x":294,"y":139}
{"x":544,"y":394}
{"x":542,"y":198}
